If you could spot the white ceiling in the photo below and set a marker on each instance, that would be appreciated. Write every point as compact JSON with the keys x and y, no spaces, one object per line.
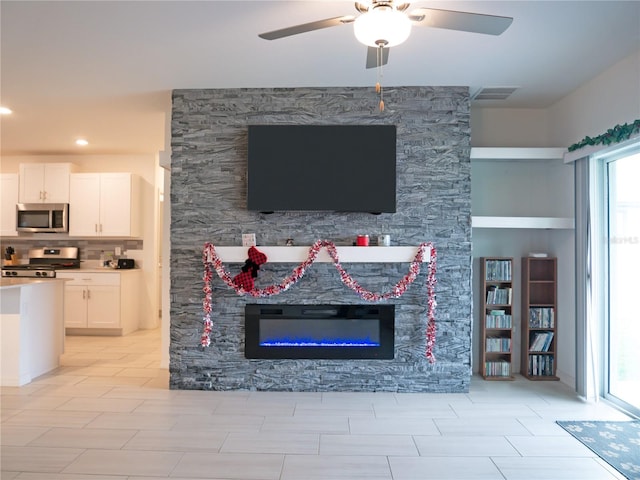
{"x":105,"y":70}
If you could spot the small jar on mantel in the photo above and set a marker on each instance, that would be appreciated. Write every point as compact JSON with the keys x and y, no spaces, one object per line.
{"x":362,"y":240}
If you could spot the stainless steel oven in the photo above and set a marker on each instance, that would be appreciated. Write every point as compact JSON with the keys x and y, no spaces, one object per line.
{"x":42,"y":217}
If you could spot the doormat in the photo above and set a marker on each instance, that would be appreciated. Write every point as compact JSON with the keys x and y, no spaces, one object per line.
{"x":617,"y":443}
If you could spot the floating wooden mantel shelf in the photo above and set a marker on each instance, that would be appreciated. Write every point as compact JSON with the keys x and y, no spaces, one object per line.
{"x":299,"y":254}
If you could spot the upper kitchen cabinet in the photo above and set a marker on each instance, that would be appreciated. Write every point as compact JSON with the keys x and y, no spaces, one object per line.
{"x":8,"y":200}
{"x":104,"y":205}
{"x":44,"y":182}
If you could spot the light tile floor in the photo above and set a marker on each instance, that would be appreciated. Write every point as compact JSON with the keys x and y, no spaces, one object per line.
{"x":107,"y":414}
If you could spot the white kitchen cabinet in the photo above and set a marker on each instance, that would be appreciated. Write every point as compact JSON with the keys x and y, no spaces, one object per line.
{"x":8,"y":200}
{"x":104,"y":205}
{"x":44,"y":182}
{"x":92,"y":306}
{"x":100,"y":303}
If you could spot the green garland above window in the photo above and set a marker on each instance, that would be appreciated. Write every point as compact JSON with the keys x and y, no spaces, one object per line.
{"x":617,"y":134}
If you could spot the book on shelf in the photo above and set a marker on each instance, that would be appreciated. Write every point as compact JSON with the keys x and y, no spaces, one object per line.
{"x":499,"y":296}
{"x":497,"y":369}
{"x":541,"y":365}
{"x":498,"y":270}
{"x":500,"y":344}
{"x":498,"y":320}
{"x":541,"y":342}
{"x":541,"y":317}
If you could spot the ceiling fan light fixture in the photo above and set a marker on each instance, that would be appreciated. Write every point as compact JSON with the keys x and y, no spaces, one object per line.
{"x":382,"y":26}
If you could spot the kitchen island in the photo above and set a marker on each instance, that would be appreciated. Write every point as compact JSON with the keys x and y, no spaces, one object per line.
{"x":31,"y":328}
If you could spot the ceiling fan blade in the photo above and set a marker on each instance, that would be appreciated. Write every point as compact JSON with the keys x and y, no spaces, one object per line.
{"x":372,"y":56}
{"x":464,"y":21}
{"x":307,"y":27}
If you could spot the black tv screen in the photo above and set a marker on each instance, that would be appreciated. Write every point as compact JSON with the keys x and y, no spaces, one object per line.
{"x":342,"y":168}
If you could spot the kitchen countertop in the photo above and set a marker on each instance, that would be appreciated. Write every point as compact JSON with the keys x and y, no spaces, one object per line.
{"x":98,"y":270}
{"x":17,"y":282}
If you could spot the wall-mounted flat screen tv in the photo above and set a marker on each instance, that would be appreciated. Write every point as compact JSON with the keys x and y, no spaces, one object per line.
{"x":341,"y":168}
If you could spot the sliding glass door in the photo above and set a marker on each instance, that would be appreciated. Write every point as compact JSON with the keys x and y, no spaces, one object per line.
{"x":622,"y":323}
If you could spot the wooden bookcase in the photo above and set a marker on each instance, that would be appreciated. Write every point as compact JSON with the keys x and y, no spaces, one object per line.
{"x":496,"y":318}
{"x":539,"y":318}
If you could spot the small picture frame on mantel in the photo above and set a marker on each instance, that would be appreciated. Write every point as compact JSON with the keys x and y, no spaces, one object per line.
{"x":248,"y":239}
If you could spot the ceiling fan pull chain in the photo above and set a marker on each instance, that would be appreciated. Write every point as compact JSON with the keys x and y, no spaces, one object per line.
{"x":378,"y":62}
{"x":380,"y":74}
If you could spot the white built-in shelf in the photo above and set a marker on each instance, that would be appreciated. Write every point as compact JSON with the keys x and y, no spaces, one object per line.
{"x":520,"y":155}
{"x":517,"y":153}
{"x":543,"y":223}
{"x":299,"y":254}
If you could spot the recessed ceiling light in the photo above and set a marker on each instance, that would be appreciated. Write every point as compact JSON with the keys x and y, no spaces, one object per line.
{"x":5,"y":111}
{"x":82,"y":142}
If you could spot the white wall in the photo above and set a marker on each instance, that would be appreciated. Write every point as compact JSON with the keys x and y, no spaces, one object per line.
{"x":146,"y":167}
{"x":166,"y":273}
{"x":610,"y":99}
{"x":509,"y":127}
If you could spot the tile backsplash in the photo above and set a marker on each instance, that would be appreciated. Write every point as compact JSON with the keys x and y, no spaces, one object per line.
{"x":90,"y":249}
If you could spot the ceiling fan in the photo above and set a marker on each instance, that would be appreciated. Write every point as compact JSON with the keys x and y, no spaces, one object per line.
{"x":385,"y":23}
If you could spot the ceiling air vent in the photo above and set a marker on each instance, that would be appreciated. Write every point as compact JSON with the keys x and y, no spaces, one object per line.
{"x":494,"y":93}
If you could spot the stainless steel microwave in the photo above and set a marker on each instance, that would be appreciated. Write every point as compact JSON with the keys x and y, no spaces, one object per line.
{"x":42,"y":217}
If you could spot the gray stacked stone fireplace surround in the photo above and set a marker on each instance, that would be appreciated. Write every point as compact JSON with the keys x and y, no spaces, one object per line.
{"x":208,"y":204}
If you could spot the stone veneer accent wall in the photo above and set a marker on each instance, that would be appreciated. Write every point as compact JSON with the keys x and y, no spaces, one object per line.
{"x":208,"y":189}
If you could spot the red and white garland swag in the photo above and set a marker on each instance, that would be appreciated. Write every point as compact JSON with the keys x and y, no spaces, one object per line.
{"x":211,"y":261}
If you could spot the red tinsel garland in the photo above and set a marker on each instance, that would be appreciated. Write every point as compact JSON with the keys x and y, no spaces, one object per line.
{"x":211,"y":261}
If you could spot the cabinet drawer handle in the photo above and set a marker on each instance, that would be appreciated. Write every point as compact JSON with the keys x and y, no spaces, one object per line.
{"x":84,"y":294}
{"x":88,"y":294}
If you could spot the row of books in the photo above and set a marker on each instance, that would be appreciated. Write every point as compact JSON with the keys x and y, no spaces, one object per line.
{"x":497,"y":369}
{"x":498,"y":270}
{"x":541,"y":317}
{"x":498,"y":345}
{"x":540,"y":342}
{"x":541,"y":365}
{"x":499,"y":296}
{"x":498,"y":319}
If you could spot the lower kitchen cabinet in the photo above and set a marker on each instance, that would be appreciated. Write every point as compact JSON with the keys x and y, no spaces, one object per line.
{"x":100,"y":303}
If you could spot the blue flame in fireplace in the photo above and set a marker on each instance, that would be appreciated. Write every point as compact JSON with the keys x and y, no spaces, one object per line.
{"x":316,"y":342}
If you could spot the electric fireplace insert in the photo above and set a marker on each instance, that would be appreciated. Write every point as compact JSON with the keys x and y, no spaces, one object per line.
{"x":319,"y":331}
